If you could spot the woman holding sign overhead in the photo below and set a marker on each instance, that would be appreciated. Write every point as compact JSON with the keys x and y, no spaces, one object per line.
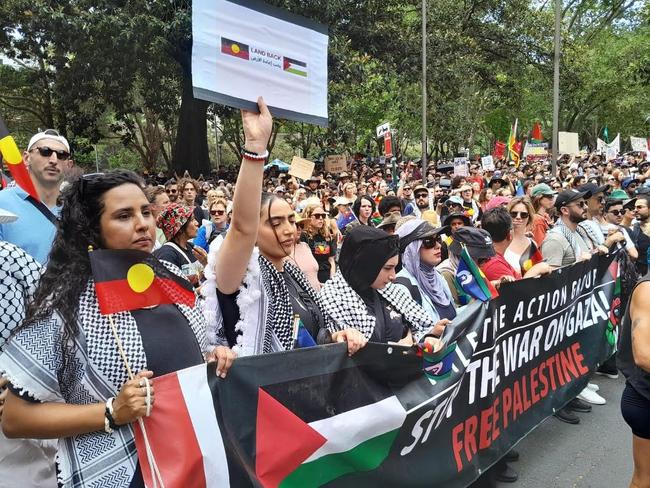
{"x":254,"y":289}
{"x":79,"y":366}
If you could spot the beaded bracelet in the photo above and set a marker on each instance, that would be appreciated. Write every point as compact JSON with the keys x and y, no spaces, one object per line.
{"x":252,"y":156}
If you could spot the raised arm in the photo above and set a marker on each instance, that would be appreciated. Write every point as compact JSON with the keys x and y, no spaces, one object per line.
{"x":238,"y":245}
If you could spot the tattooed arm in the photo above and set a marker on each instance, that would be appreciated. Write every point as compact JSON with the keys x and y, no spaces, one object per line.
{"x":640,"y":315}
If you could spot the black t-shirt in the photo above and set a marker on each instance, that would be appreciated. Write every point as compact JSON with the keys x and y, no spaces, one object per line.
{"x":642,"y":242}
{"x":323,"y":250}
{"x":637,"y":377}
{"x":301,"y":303}
{"x":389,"y":324}
{"x":170,"y":254}
{"x":168,"y":340}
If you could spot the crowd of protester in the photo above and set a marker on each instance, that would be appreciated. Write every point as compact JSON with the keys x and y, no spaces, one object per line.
{"x":369,"y":254}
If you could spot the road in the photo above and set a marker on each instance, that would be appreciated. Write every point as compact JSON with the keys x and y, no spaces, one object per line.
{"x":597,"y":453}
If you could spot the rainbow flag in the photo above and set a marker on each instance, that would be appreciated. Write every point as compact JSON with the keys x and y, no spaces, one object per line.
{"x":471,"y":279}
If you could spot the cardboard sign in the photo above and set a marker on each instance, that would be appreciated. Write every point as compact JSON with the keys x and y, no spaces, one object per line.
{"x":488,"y":163}
{"x":283,"y":59}
{"x":460,"y":167}
{"x":568,"y":143}
{"x":382,"y":129}
{"x":336,"y":163}
{"x":301,"y":168}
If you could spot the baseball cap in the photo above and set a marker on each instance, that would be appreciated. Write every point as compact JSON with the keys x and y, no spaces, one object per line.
{"x":628,"y":181}
{"x":48,"y":134}
{"x":543,"y":189}
{"x":593,"y":189}
{"x":477,"y":241}
{"x":497,"y":202}
{"x":567,"y":196}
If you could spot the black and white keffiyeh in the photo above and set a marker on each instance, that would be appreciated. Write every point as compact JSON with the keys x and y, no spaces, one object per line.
{"x":345,"y":308}
{"x":19,"y":274}
{"x":33,"y":363}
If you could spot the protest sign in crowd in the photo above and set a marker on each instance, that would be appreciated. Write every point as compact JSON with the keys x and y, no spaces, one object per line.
{"x":113,"y":280}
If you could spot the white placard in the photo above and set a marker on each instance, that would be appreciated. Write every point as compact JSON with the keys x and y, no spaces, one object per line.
{"x":382,"y":129}
{"x":639,"y":144}
{"x":488,"y":163}
{"x":241,"y":52}
{"x":460,"y":167}
{"x":568,"y":143}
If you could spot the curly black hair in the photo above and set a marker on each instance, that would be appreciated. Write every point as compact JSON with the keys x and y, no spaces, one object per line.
{"x":68,"y":267}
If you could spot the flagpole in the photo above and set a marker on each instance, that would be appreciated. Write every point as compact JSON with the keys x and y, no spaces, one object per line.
{"x":556,"y":88}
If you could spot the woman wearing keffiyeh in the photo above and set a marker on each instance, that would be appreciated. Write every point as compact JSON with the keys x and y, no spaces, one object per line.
{"x":254,"y":290}
{"x":362,"y":295}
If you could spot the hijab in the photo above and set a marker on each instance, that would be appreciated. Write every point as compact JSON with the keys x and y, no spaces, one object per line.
{"x":364,"y":252}
{"x":429,"y":280}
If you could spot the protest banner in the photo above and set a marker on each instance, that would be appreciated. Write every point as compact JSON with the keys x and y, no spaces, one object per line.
{"x":487,"y":162}
{"x":315,"y":416}
{"x":639,"y":144}
{"x":336,"y":163}
{"x":388,"y":144}
{"x":568,"y":143}
{"x":301,"y":168}
{"x":283,"y":59}
{"x":535,"y":150}
{"x":460,"y":167}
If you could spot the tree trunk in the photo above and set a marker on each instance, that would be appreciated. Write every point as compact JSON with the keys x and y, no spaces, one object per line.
{"x":191,"y":149}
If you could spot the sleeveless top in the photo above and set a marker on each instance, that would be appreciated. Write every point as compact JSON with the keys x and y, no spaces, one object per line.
{"x":637,"y":377}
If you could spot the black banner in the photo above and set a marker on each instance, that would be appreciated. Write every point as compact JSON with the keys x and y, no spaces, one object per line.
{"x":509,"y":364}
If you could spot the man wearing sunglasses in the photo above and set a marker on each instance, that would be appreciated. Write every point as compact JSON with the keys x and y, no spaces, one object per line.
{"x":595,"y":225}
{"x":46,"y":157}
{"x":614,"y":213}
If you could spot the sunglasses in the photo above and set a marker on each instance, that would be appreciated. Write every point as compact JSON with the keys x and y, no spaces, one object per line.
{"x":319,"y":215}
{"x":430,"y":242}
{"x":406,"y":188}
{"x":521,"y":215}
{"x":580,"y":204}
{"x":46,"y":152}
{"x":217,"y":212}
{"x":422,"y":195}
{"x":172,"y":191}
{"x":616,"y":213}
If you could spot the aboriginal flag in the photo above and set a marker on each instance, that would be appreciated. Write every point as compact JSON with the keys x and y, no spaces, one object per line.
{"x":234,"y":48}
{"x":14,"y":160}
{"x":127,"y":279}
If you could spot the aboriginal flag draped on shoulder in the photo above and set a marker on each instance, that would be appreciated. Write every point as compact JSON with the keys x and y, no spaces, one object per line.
{"x":128,"y":279}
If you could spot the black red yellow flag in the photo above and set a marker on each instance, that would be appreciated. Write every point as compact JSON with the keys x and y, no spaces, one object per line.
{"x":128,"y":279}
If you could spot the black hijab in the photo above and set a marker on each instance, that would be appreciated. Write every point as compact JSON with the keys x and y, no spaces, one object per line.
{"x":364,"y":252}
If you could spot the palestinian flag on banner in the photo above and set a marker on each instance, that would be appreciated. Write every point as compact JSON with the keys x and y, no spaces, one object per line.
{"x":471,"y":279}
{"x":127,"y":279}
{"x":234,"y":48}
{"x":14,"y":159}
{"x":307,"y":430}
{"x":294,"y":66}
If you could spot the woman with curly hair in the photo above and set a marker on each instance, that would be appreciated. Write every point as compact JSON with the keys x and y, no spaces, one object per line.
{"x":318,"y":236}
{"x":67,"y":379}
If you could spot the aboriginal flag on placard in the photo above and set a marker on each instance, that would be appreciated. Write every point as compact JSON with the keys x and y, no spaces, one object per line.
{"x":128,"y":279}
{"x":234,"y":48}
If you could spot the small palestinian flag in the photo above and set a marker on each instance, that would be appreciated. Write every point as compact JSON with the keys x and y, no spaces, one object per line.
{"x":296,"y":67}
{"x":14,"y":160}
{"x":234,"y":48}
{"x":128,"y":279}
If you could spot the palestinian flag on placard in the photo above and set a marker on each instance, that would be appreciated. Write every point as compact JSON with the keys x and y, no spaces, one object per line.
{"x":533,"y":260}
{"x":127,"y":279}
{"x":14,"y":159}
{"x":272,"y":435}
{"x":234,"y":48}
{"x":471,"y":279}
{"x":294,"y":66}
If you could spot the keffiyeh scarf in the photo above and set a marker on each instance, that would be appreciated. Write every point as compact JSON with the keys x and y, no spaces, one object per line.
{"x":33,"y":363}
{"x":345,"y":308}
